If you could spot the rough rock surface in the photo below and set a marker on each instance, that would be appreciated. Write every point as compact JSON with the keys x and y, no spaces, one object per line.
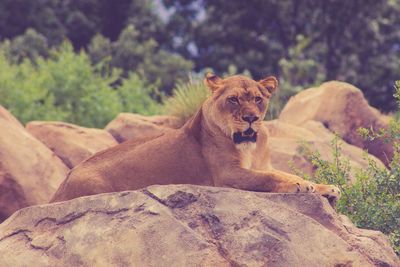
{"x":134,"y":126}
{"x":342,"y":108}
{"x":185,"y":225}
{"x":70,"y":142}
{"x":29,"y":171}
{"x":286,"y":139}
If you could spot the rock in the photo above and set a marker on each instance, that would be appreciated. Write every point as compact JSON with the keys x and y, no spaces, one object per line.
{"x":7,"y":116}
{"x":30,"y":173}
{"x":134,"y":126}
{"x":343,"y":109}
{"x":286,"y":139}
{"x":71,"y":143}
{"x":186,"y":225}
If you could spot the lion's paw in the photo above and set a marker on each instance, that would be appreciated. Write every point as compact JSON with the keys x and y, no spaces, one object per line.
{"x":297,"y":186}
{"x":305,"y":187}
{"x":331,"y":192}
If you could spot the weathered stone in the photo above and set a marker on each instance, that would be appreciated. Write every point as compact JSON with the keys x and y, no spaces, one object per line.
{"x":286,"y":140}
{"x":134,"y":126}
{"x":70,"y":142}
{"x":343,"y":109}
{"x":210,"y":227}
{"x":29,"y":172}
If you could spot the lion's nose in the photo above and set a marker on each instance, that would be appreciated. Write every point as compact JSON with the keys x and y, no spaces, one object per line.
{"x":249,"y":118}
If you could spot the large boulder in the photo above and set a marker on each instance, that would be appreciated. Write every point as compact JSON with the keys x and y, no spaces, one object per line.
{"x":342,"y":108}
{"x":185,"y":225}
{"x":286,"y":141}
{"x":134,"y":126}
{"x":7,"y":116}
{"x":70,"y":142}
{"x":29,"y":171}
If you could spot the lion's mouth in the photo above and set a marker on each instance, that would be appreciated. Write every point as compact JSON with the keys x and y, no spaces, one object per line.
{"x":247,"y":136}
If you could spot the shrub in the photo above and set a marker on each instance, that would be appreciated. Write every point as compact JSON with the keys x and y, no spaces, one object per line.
{"x":373,"y":199}
{"x":81,"y":93}
{"x":66,"y":86}
{"x":136,"y":96}
{"x":23,"y":93}
{"x":186,"y":100}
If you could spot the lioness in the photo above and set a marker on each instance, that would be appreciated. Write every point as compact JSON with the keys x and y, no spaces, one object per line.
{"x":223,"y":144}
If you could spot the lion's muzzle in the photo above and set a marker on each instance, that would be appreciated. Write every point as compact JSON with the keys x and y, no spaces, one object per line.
{"x":247,"y":136}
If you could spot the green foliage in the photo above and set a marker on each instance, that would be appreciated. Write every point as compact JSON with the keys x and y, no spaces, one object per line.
{"x":78,"y":20}
{"x":65,"y":86}
{"x":125,"y":34}
{"x":298,"y":73}
{"x":397,"y":93}
{"x":372,"y":200}
{"x":334,"y":172}
{"x":23,"y":93}
{"x":217,"y":34}
{"x":256,"y":35}
{"x":165,"y":68}
{"x":99,"y":49}
{"x":187,"y":99}
{"x":30,"y":45}
{"x":131,"y":53}
{"x":77,"y":89}
{"x":136,"y":96}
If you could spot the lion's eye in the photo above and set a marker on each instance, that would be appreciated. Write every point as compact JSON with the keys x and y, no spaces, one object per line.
{"x":233,"y":100}
{"x":258,"y":99}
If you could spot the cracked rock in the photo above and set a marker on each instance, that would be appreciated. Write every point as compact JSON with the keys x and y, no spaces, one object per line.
{"x":186,"y":225}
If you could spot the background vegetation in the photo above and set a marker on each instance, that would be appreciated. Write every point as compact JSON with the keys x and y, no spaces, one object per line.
{"x":303,"y":42}
{"x":66,"y":86}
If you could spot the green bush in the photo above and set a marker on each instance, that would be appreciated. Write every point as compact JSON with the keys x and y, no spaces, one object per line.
{"x":136,"y":96}
{"x":186,"y":100}
{"x":66,"y":86}
{"x":373,"y":200}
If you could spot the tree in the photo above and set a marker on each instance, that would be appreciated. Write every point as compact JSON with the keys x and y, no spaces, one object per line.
{"x":30,"y":45}
{"x":78,"y":20}
{"x":355,"y":41}
{"x":146,"y":57}
{"x":16,"y":16}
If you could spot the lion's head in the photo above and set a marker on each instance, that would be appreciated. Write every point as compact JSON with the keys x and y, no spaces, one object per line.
{"x":238,"y":105}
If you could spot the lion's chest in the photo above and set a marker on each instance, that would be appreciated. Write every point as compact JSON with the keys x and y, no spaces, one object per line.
{"x":246,"y":154}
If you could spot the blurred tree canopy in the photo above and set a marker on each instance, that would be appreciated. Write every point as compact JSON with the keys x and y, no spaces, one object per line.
{"x":357,"y":41}
{"x":302,"y":41}
{"x":78,"y":20}
{"x":126,"y":31}
{"x":143,"y":57}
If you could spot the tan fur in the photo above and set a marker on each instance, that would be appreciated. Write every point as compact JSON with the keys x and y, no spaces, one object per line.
{"x":202,"y":152}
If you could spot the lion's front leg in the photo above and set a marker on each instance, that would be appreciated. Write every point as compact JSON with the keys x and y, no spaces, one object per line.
{"x":331,"y":192}
{"x":263,"y":181}
{"x":274,"y":181}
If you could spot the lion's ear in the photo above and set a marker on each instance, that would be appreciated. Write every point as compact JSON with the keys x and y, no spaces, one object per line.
{"x":270,"y":83}
{"x":212,"y":81}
